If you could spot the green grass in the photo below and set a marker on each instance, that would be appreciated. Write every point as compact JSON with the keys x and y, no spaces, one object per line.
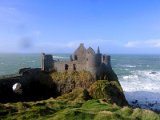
{"x":111,"y":91}
{"x":80,"y":104}
{"x":60,"y":109}
{"x":73,"y":75}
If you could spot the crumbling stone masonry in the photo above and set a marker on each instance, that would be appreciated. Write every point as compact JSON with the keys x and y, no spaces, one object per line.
{"x":82,"y":59}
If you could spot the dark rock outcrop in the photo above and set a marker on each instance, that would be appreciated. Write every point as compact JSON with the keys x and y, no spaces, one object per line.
{"x":35,"y":85}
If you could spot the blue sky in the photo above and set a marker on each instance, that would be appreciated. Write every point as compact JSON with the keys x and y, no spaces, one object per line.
{"x":58,"y":26}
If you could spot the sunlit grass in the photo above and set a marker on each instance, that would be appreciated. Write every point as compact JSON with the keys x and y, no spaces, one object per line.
{"x":72,"y":106}
{"x":74,"y":75}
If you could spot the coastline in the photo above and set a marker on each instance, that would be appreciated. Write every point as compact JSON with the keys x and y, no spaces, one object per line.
{"x":116,"y":61}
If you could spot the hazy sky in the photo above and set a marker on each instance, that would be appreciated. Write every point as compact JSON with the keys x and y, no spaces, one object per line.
{"x":58,"y":26}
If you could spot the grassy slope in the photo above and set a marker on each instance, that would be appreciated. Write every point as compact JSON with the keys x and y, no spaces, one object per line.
{"x":73,"y":106}
{"x":76,"y":105}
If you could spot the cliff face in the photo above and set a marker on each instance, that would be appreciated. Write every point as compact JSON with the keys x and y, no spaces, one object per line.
{"x":67,"y":81}
{"x":109,"y":89}
{"x":37,"y":85}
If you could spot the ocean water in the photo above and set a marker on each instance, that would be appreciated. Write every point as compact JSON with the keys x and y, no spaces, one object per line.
{"x":11,"y":63}
{"x":139,"y":75}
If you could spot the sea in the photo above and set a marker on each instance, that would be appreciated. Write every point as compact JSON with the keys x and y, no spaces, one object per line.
{"x":139,"y":75}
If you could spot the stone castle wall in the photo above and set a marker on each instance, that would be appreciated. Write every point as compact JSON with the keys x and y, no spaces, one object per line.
{"x":81,"y":59}
{"x":69,"y":66}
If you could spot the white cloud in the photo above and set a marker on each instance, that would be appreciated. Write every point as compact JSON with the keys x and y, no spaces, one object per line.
{"x":143,"y":44}
{"x":131,"y":44}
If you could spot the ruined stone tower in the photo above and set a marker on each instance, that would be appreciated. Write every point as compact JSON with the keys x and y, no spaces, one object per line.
{"x":47,"y":63}
{"x":81,"y":59}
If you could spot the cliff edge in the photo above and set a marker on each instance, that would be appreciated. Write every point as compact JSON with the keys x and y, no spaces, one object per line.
{"x":38,"y":85}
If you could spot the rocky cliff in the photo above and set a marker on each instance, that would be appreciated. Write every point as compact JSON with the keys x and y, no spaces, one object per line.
{"x":37,"y":85}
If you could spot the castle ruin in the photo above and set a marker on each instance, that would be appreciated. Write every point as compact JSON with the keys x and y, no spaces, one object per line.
{"x":82,"y":59}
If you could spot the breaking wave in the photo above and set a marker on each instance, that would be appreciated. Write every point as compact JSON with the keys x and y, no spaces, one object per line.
{"x":144,"y":86}
{"x":141,"y":80}
{"x":127,"y":66}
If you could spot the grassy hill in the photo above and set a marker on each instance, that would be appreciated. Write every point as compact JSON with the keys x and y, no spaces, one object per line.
{"x":73,"y":106}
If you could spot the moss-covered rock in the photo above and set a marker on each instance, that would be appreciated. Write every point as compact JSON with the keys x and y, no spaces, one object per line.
{"x":77,"y":95}
{"x":110,"y":91}
{"x":67,"y":81}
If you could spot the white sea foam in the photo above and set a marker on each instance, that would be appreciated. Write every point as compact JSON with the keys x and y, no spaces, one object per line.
{"x":128,"y":77}
{"x":128,"y":66}
{"x":141,"y":80}
{"x":144,"y":86}
{"x":126,"y":69}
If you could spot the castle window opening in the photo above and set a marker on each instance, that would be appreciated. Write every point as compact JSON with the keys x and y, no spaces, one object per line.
{"x":75,"y":57}
{"x":66,"y":67}
{"x":71,"y":58}
{"x":74,"y":66}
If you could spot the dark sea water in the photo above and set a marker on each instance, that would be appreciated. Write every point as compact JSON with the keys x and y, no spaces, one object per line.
{"x":139,"y":75}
